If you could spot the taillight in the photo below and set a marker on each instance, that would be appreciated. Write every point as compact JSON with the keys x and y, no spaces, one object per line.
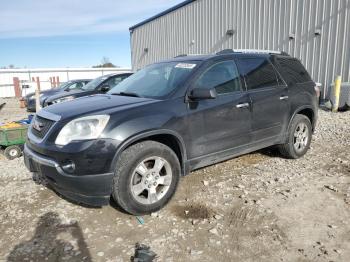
{"x":318,"y":89}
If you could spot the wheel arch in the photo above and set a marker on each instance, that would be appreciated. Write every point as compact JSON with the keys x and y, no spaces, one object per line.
{"x":164,"y":136}
{"x":307,"y":111}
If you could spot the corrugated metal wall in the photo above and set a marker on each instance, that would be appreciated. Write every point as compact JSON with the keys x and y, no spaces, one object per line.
{"x":200,"y":28}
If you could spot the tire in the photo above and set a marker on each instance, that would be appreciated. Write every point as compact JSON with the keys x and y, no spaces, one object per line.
{"x":296,"y":134}
{"x":12,"y":152}
{"x":138,"y":187}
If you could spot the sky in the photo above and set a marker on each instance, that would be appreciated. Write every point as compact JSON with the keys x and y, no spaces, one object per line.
{"x":71,"y":33}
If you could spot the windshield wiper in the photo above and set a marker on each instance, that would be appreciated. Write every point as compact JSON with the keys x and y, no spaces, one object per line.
{"x":126,"y":94}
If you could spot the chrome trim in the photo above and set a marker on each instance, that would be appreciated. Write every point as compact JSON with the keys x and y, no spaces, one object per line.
{"x":257,"y":51}
{"x":284,"y":97}
{"x":243,"y":105}
{"x":46,"y":115}
{"x":40,"y":159}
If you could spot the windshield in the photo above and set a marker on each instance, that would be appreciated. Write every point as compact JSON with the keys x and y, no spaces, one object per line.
{"x":63,"y":85}
{"x":156,"y":80}
{"x":94,"y":83}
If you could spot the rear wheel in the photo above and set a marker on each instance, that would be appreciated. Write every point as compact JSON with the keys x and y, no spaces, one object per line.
{"x":146,"y":177}
{"x":12,"y":152}
{"x":299,"y":138}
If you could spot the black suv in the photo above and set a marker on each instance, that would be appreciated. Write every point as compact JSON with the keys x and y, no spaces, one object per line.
{"x":136,"y":141}
{"x":99,"y":85}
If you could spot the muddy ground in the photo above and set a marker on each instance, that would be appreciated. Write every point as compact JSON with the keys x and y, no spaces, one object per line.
{"x":258,"y":207}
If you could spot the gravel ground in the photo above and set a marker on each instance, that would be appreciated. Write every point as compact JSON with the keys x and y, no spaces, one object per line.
{"x":258,"y":207}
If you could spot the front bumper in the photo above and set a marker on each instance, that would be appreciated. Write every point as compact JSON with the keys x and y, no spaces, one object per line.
{"x":94,"y":190}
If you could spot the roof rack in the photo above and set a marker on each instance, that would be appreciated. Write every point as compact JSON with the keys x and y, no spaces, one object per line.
{"x":251,"y":51}
{"x":182,"y":55}
{"x":225,"y":51}
{"x":243,"y":51}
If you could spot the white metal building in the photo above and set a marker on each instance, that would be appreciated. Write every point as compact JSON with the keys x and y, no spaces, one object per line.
{"x":64,"y":74}
{"x":315,"y":31}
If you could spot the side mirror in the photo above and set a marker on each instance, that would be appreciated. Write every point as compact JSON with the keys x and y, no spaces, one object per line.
{"x":105,"y":88}
{"x":202,"y":93}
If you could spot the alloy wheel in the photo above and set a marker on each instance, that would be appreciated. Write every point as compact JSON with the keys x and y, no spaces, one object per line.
{"x":151,"y":180}
{"x":301,"y":137}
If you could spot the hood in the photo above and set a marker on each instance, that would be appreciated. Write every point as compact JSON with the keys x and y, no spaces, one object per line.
{"x":47,"y":92}
{"x":51,"y":91}
{"x":73,"y":92}
{"x":95,"y":104}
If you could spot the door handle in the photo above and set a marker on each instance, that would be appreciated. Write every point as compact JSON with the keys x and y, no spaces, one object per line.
{"x":243,"y":105}
{"x":284,"y":97}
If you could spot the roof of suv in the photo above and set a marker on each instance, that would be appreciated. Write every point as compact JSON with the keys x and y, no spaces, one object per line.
{"x":79,"y":80}
{"x":116,"y":74}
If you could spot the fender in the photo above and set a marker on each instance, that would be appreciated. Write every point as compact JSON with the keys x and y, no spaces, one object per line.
{"x":140,"y":136}
{"x":296,"y":111}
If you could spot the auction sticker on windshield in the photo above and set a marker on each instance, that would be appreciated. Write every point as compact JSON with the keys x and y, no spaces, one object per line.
{"x":185,"y":65}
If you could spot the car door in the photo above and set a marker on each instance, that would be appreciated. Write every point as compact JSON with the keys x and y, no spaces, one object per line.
{"x":217,"y":125}
{"x":268,"y":95}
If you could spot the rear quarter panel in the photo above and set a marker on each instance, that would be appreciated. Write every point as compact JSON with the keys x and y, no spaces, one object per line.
{"x":303,"y":96}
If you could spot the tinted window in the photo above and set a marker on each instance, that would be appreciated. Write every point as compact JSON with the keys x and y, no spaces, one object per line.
{"x":64,"y":85}
{"x":76,"y":85}
{"x":258,"y":72}
{"x":293,"y":71}
{"x":115,"y":81}
{"x":94,"y":83}
{"x":224,"y":77}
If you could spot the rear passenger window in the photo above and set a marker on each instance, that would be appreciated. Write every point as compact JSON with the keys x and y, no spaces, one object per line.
{"x":293,"y":71}
{"x":223,"y":76}
{"x":257,"y":72}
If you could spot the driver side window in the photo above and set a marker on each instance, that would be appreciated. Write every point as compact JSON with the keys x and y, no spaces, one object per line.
{"x":113,"y":82}
{"x":76,"y":85}
{"x":223,"y":76}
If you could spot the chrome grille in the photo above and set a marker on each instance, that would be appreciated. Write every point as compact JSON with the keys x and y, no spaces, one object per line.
{"x":41,"y":126}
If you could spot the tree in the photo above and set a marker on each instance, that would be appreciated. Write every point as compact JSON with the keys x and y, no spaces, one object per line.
{"x":11,"y":66}
{"x":105,"y":62}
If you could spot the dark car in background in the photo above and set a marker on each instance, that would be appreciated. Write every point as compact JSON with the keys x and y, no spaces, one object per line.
{"x":99,"y":85}
{"x":29,"y":99}
{"x":134,"y":143}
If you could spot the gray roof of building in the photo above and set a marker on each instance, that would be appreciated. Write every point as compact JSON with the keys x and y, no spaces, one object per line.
{"x":161,"y":14}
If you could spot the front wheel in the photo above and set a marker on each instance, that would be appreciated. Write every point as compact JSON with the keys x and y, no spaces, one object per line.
{"x":299,"y":138}
{"x":146,"y":177}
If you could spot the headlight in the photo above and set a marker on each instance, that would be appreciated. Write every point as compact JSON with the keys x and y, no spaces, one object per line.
{"x":63,"y":99}
{"x":84,"y":128}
